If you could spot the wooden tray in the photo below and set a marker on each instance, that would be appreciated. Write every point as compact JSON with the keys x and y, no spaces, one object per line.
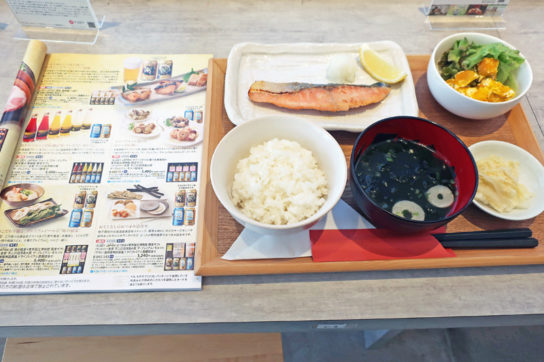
{"x":217,"y":230}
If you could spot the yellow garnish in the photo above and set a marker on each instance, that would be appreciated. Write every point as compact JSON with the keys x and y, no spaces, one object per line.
{"x":379,"y":67}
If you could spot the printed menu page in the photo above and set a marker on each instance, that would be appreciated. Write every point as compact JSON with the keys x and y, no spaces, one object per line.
{"x":103,"y":189}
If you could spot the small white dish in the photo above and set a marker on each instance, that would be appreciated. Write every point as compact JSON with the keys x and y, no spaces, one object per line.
{"x":531,"y":174}
{"x":308,"y":62}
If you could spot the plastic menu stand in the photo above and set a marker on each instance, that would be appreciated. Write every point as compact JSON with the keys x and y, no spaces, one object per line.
{"x":64,"y":21}
{"x":466,"y":15}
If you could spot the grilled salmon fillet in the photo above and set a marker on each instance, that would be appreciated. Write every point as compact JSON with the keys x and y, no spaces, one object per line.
{"x":321,"y":97}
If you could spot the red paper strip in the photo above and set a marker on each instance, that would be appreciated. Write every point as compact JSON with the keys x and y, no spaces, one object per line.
{"x":374,"y":244}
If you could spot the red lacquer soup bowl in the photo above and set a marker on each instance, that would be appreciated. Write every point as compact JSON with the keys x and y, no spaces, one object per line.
{"x":441,"y":144}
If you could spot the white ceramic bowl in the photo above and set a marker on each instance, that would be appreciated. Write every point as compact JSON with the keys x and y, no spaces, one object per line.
{"x":531,"y":174}
{"x":462,"y":105}
{"x":235,"y":145}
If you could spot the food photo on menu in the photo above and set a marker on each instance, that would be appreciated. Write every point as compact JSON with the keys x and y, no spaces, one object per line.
{"x":150,"y":80}
{"x":31,"y":205}
{"x":183,"y":130}
{"x":138,"y":202}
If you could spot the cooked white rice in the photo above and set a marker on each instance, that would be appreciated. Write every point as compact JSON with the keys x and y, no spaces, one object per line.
{"x":279,"y":183}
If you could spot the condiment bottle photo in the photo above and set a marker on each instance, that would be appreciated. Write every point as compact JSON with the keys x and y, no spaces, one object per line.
{"x":54,"y":128}
{"x":87,"y":117}
{"x":66,"y":124}
{"x":30,"y":130}
{"x":77,"y":120}
{"x":96,"y":130}
{"x":87,"y":219}
{"x":98,"y":174}
{"x":43,"y":129}
{"x":89,"y":174}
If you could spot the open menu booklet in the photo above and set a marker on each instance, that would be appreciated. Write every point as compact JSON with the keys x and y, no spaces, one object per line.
{"x":100,"y":160}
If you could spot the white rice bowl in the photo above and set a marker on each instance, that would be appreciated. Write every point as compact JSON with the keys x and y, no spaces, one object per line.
{"x":279,"y":183}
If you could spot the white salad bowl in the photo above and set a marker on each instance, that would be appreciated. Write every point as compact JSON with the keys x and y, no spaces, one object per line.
{"x":462,"y":105}
{"x":235,"y":145}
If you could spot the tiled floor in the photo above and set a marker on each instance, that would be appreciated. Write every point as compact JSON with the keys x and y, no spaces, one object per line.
{"x":437,"y":345}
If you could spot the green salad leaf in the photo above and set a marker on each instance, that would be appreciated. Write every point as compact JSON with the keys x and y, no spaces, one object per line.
{"x":465,"y":55}
{"x":458,"y":50}
{"x":186,"y":76}
{"x":130,"y":86}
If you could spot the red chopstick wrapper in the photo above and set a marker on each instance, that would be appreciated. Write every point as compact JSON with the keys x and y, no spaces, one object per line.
{"x":374,"y":244}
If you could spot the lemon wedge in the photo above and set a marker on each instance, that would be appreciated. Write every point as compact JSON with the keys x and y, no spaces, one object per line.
{"x":181,"y":88}
{"x":380,"y":68}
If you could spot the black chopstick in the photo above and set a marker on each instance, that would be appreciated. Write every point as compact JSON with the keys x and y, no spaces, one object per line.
{"x":488,"y":239}
{"x":491,"y":243}
{"x":486,"y":234}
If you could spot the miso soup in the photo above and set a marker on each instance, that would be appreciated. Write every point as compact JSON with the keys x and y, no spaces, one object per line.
{"x":407,"y":179}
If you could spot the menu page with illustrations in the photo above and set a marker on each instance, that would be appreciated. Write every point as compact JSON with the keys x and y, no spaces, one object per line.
{"x":103,"y":190}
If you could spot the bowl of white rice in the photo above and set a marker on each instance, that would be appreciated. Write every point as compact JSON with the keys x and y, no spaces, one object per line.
{"x":278,"y":174}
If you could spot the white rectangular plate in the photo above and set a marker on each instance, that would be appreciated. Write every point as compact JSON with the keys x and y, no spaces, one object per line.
{"x":308,"y":62}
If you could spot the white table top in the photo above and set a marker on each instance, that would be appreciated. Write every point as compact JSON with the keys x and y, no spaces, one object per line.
{"x":388,"y":299}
